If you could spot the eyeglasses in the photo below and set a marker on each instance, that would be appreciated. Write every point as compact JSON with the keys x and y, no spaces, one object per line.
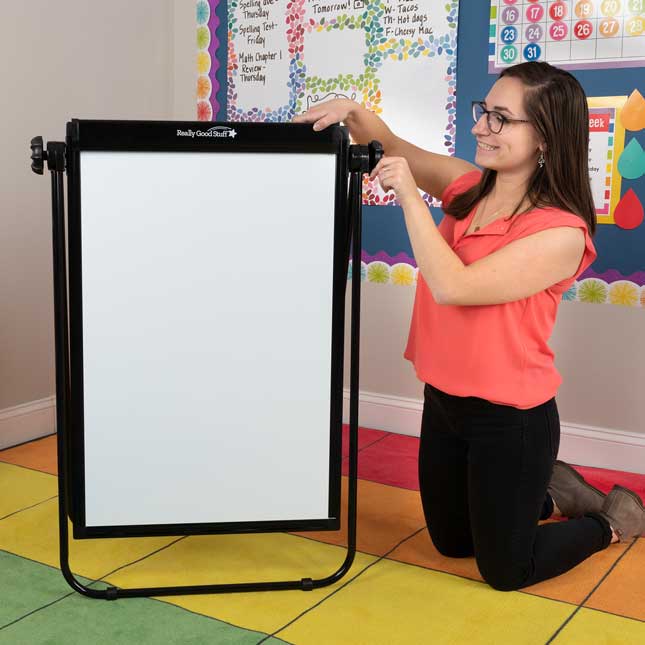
{"x":495,"y":120}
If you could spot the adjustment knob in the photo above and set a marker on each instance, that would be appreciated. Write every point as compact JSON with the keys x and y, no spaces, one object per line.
{"x":38,"y":156}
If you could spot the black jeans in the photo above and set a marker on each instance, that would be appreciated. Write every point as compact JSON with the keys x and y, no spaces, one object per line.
{"x":483,"y":473}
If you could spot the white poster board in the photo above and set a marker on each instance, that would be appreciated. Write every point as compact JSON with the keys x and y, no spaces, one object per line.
{"x":396,"y":58}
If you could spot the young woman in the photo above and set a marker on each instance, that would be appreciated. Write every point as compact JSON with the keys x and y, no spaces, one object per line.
{"x":491,"y":276}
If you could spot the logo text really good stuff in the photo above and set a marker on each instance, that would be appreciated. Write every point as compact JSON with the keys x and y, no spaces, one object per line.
{"x":216,"y":132}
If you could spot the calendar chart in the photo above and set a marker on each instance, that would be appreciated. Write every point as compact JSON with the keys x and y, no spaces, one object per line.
{"x":572,"y":34}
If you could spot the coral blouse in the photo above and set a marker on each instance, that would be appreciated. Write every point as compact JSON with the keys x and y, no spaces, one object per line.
{"x":495,"y":352}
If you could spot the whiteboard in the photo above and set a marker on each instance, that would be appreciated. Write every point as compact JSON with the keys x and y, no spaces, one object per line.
{"x":206,"y":330}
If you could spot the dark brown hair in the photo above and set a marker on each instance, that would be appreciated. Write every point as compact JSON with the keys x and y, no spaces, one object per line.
{"x":556,"y":105}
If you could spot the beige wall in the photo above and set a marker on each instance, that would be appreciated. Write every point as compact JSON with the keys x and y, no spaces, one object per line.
{"x":184,"y":65}
{"x":60,"y":60}
{"x":600,"y":351}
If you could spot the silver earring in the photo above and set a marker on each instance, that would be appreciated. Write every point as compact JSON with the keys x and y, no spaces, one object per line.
{"x":541,"y":160}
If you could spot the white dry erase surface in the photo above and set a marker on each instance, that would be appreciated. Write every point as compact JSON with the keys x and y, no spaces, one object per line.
{"x":207,"y":307}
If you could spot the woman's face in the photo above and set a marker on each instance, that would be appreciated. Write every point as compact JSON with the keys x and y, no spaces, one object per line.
{"x":516,"y":148}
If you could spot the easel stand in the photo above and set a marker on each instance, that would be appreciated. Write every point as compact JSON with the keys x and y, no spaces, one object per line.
{"x":361,"y":159}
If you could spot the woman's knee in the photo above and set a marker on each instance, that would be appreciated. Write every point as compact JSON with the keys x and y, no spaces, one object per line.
{"x":503,"y":576}
{"x":452,"y":548}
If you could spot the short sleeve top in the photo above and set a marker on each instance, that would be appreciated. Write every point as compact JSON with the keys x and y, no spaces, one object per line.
{"x":496,"y":352}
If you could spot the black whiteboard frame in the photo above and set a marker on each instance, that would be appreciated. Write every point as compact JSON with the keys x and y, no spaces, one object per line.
{"x":161,"y":136}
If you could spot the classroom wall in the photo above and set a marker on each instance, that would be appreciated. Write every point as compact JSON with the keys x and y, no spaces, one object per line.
{"x":60,"y":60}
{"x":140,"y":63}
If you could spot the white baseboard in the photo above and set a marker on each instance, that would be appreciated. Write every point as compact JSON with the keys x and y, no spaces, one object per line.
{"x":27,"y":421}
{"x":602,"y":448}
{"x":384,"y":412}
{"x":582,"y":445}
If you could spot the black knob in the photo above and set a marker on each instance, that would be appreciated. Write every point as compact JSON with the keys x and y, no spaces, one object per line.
{"x":38,"y":156}
{"x":375,"y":152}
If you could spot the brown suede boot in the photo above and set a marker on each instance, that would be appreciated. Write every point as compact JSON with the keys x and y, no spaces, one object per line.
{"x":571,"y":493}
{"x":624,"y":511}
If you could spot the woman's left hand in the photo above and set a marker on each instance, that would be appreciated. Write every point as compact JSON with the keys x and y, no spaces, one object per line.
{"x":394,"y":174}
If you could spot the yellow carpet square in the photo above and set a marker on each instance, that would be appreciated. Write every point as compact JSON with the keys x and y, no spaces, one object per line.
{"x":22,"y":488}
{"x":599,"y":628}
{"x":219,"y":559}
{"x":398,"y":604}
{"x":33,"y":534}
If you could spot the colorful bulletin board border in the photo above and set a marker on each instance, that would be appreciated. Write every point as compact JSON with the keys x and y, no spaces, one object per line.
{"x":207,"y":61}
{"x":586,"y":34}
{"x":593,"y":288}
{"x":613,"y":129}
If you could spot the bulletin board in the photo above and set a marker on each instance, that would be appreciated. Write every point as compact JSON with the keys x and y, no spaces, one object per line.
{"x":611,"y":79}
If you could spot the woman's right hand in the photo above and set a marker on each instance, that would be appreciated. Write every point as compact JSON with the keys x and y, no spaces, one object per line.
{"x":327,"y":113}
